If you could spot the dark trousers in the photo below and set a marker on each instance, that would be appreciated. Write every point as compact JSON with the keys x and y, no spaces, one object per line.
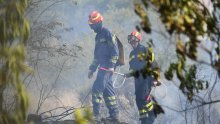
{"x":103,"y":87}
{"x":146,"y":117}
{"x":142,"y":90}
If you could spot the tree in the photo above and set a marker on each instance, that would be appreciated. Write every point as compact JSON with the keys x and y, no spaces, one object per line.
{"x":14,"y":31}
{"x":49,"y":55}
{"x":189,"y":22}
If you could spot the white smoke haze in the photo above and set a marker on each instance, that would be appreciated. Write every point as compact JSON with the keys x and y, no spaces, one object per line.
{"x":60,"y":51}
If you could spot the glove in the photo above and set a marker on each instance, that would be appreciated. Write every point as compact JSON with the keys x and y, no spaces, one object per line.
{"x":111,"y":70}
{"x":128,"y":75}
{"x":157,"y":83}
{"x":90,"y":74}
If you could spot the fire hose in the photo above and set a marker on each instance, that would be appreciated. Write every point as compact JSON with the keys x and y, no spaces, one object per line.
{"x":125,"y":77}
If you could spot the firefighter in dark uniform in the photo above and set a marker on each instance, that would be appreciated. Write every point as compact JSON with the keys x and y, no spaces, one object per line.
{"x":105,"y":57}
{"x":143,"y":81}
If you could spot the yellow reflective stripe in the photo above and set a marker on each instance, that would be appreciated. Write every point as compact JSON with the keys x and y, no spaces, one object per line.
{"x":142,"y":111}
{"x":141,"y":56}
{"x":98,"y":15}
{"x":112,"y":98}
{"x":114,"y":39}
{"x":112,"y":103}
{"x":98,"y":101}
{"x":152,"y":57}
{"x":98,"y":97}
{"x":151,"y":54}
{"x":150,"y":106}
{"x":132,"y":57}
{"x":136,"y":34}
{"x":97,"y":94}
{"x":114,"y":59}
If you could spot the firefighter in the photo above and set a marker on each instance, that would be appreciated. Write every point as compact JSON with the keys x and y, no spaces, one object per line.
{"x":105,"y":57}
{"x":142,"y":59}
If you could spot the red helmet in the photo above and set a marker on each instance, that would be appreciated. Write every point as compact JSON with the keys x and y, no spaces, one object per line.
{"x":136,"y":34}
{"x":95,"y":17}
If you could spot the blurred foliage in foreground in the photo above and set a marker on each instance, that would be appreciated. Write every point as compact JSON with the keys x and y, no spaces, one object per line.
{"x":14,"y":31}
{"x":83,"y":116}
{"x":192,"y":20}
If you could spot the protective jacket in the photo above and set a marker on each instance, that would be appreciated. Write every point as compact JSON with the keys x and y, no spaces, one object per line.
{"x":106,"y":50}
{"x":143,"y":82}
{"x":105,"y":55}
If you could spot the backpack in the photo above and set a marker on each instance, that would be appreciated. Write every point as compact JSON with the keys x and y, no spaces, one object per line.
{"x":121,"y":60}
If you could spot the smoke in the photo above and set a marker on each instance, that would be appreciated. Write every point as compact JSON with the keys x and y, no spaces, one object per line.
{"x":63,"y":77}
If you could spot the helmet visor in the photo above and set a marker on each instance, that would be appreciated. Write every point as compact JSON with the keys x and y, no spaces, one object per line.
{"x":132,"y":39}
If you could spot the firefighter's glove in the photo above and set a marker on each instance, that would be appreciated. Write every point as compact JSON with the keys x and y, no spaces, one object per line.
{"x":128,"y":75}
{"x":90,"y":74}
{"x":157,"y":83}
{"x":111,"y":70}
